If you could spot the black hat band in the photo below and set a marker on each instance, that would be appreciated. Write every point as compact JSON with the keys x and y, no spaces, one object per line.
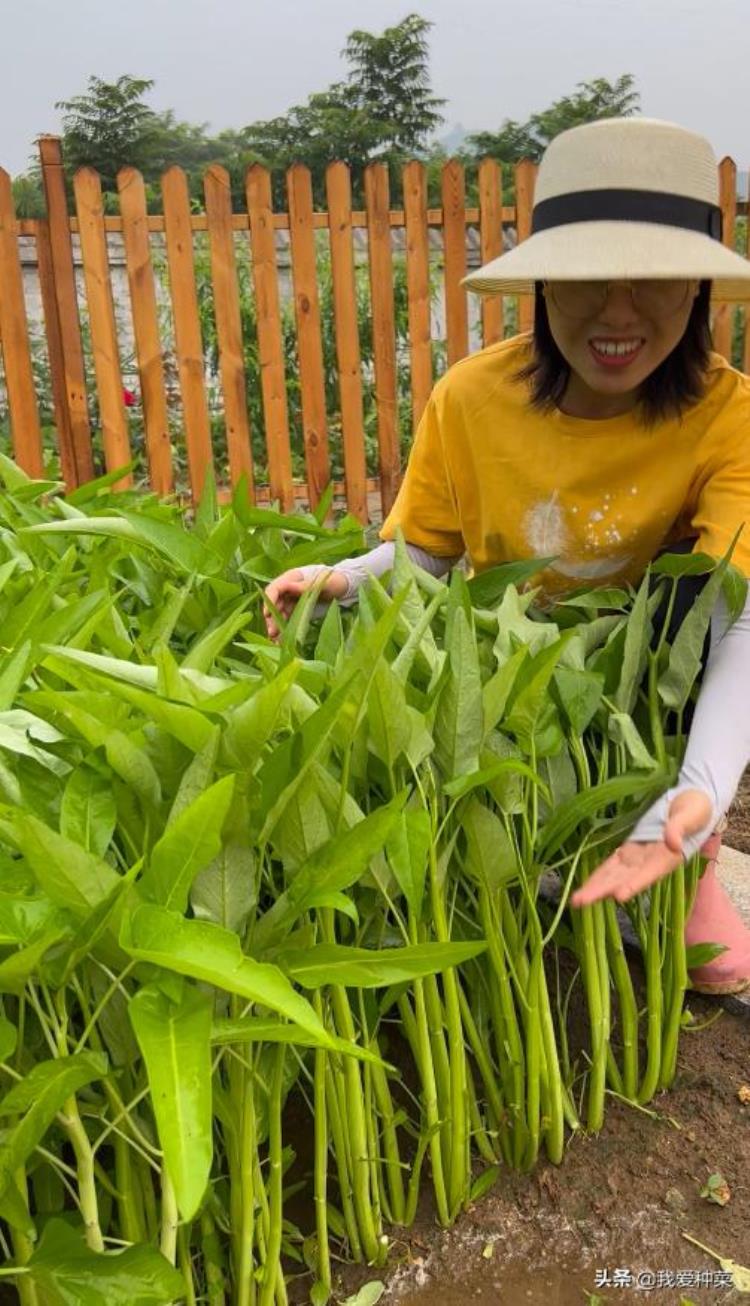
{"x":615,"y":205}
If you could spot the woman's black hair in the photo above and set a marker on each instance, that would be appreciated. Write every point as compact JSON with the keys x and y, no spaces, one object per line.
{"x":672,"y":387}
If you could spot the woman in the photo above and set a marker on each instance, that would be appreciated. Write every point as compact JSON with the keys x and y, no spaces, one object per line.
{"x":608,"y":435}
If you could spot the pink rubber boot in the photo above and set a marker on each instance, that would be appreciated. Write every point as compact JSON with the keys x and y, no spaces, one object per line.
{"x":714,"y":919}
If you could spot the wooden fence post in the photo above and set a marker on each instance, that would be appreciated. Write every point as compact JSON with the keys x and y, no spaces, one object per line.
{"x":63,"y":287}
{"x":380,"y":258}
{"x":453,"y":188}
{"x":14,"y":341}
{"x":348,"y":357}
{"x":723,"y":316}
{"x":491,"y":243}
{"x":187,"y":327}
{"x":270,"y":341}
{"x":309,"y":339}
{"x":104,"y":345}
{"x":146,"y":333}
{"x":217,"y":190}
{"x":525,"y":179}
{"x":418,"y":287}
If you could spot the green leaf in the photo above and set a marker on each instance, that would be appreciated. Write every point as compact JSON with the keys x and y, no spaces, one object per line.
{"x":686,"y":653}
{"x":176,"y":1044}
{"x":8,"y":1039}
{"x":579,"y":693}
{"x":226,"y":891}
{"x":490,"y":853}
{"x":65,"y":1272}
{"x":181,"y":549}
{"x":635,"y":652}
{"x":390,"y":728}
{"x":336,"y":865}
{"x":497,"y":690}
{"x":366,"y":968}
{"x":459,"y":726}
{"x":38,"y":1098}
{"x":70,"y":876}
{"x":250,"y":726}
{"x":408,"y":850}
{"x":488,"y":587}
{"x":623,"y":730}
{"x":531,"y":704}
{"x":258,"y":1029}
{"x":590,"y":802}
{"x":188,"y":844}
{"x":87,"y":813}
{"x":209,"y":953}
{"x":368,"y":1295}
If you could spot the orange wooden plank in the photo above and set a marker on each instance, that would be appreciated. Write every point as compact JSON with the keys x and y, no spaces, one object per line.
{"x":525,"y":180}
{"x":55,"y":356}
{"x":418,"y":287}
{"x":309,"y":340}
{"x":339,"y":194}
{"x":723,"y":313}
{"x":64,"y":282}
{"x":146,"y":331}
{"x":228,"y":322}
{"x":270,"y":343}
{"x":454,"y":257}
{"x":14,"y":341}
{"x":190,"y":363}
{"x":491,"y":242}
{"x":104,"y":347}
{"x":383,"y":330}
{"x":240,"y":222}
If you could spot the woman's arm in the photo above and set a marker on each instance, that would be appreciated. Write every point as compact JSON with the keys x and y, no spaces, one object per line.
{"x":718,"y":748}
{"x":376,"y":563}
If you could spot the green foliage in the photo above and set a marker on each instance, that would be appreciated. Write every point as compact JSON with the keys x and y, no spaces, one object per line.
{"x":230,"y":868}
{"x":588,"y":103}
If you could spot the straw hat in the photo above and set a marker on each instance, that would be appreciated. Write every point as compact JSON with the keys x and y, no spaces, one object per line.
{"x":622,"y":199}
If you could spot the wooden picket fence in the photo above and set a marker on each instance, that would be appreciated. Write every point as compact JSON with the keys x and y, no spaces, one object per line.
{"x":178,"y":225}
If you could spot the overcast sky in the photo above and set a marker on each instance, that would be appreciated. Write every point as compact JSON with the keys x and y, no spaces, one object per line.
{"x":230,"y":62}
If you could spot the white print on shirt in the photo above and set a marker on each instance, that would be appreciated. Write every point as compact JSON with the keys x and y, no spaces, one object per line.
{"x":547,"y":534}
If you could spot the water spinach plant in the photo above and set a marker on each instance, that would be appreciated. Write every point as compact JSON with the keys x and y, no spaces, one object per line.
{"x":277,"y":946}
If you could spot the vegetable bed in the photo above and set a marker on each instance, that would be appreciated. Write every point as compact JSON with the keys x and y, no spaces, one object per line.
{"x":246,"y":885}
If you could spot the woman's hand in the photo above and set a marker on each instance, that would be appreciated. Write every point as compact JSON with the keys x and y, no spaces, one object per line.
{"x":635,"y":866}
{"x":285,"y":590}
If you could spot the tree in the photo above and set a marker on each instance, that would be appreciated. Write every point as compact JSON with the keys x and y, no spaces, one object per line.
{"x":589,"y":102}
{"x":110,"y":125}
{"x":384,"y":110}
{"x":390,"y":79}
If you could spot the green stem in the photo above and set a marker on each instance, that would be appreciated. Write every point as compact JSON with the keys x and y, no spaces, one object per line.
{"x":430,"y":1102}
{"x":679,"y":979}
{"x":79,"y":1139}
{"x":212,"y":1261}
{"x":650,"y":1080}
{"x":243,"y":1189}
{"x":626,"y":1000}
{"x":341,"y":1151}
{"x":169,"y":1219}
{"x":275,"y":1179}
{"x":320,"y":1183}
{"x":459,"y":1178}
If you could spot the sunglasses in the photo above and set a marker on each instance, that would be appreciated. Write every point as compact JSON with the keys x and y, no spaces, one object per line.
{"x":652,"y":298}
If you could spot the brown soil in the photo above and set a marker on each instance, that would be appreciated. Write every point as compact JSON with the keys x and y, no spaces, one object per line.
{"x":738,"y":831}
{"x":620,"y":1200}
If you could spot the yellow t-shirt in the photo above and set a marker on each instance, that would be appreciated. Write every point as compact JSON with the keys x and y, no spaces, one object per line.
{"x":490,"y":475}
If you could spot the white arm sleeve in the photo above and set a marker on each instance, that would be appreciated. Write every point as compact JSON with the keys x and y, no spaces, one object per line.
{"x":718,"y":748}
{"x":376,"y":563}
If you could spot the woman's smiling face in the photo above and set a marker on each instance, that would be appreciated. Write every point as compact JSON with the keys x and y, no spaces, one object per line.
{"x":618,"y":341}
